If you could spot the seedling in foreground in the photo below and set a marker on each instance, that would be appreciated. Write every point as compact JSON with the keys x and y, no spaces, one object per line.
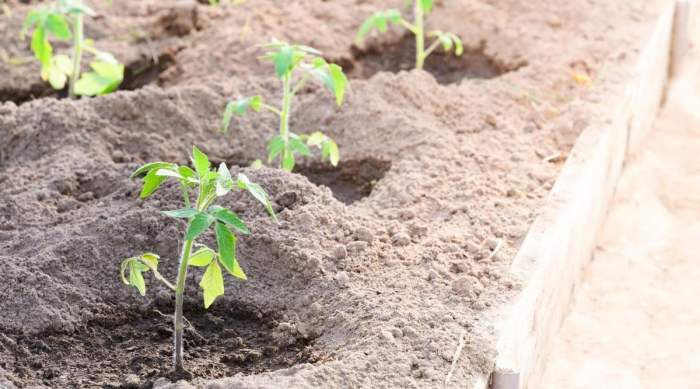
{"x":447,"y":40}
{"x":290,"y":60}
{"x":62,"y":20}
{"x":209,"y":184}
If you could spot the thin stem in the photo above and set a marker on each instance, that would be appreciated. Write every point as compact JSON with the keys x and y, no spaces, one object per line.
{"x":284,"y":115}
{"x":420,"y":38}
{"x":77,"y":53}
{"x":179,"y":295}
{"x":410,"y":27}
{"x":185,"y":195}
{"x":162,"y":279}
{"x":271,"y":109}
{"x":431,"y":48}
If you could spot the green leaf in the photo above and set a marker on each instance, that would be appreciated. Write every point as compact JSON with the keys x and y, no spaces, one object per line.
{"x":186,"y":172}
{"x":197,"y":225}
{"x":339,"y":82}
{"x":288,"y":161}
{"x":230,"y":218}
{"x":150,"y":260}
{"x":224,"y":183}
{"x":274,"y":147}
{"x":136,"y":278}
{"x":297,"y":145}
{"x":76,"y":7}
{"x":181,"y":213}
{"x":227,"y":250}
{"x":59,"y":70}
{"x":242,"y":105}
{"x":212,"y":283}
{"x":105,"y":79}
{"x":122,"y":269}
{"x":283,"y":60}
{"x":257,"y":192}
{"x":201,"y":257}
{"x":226,"y":118}
{"x":151,"y":182}
{"x":379,"y":21}
{"x":448,"y":41}
{"x":257,"y":164}
{"x":57,"y":25}
{"x":330,"y":151}
{"x":42,"y":49}
{"x":168,"y":172}
{"x":427,"y":5}
{"x":151,"y":166}
{"x":200,"y":161}
{"x":34,"y":17}
{"x":316,"y":139}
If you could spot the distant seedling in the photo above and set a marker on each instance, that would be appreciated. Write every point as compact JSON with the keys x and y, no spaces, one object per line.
{"x":288,"y":61}
{"x":380,"y":20}
{"x":210,"y":184}
{"x":63,"y":20}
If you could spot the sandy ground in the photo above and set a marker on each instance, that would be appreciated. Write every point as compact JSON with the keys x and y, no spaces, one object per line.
{"x":635,"y":321}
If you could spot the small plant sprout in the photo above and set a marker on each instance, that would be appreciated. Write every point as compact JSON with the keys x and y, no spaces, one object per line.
{"x":209,"y":184}
{"x":381,"y":19}
{"x":63,"y":20}
{"x":305,"y":63}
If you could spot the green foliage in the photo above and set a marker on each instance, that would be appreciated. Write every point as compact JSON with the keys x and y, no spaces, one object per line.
{"x":62,"y":20}
{"x":306,"y":63}
{"x":380,"y":20}
{"x":210,"y":184}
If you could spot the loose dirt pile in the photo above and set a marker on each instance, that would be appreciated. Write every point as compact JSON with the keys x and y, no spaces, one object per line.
{"x":376,"y":269}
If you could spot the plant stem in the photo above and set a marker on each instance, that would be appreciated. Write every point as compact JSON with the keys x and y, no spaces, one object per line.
{"x":77,"y":53}
{"x":420,"y":37}
{"x":179,"y":295}
{"x":284,"y":115}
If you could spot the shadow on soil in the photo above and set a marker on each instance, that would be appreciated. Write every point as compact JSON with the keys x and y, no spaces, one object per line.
{"x":221,"y":341}
{"x":445,"y":67}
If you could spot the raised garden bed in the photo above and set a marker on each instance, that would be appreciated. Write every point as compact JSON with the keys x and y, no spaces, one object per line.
{"x":378,"y":269}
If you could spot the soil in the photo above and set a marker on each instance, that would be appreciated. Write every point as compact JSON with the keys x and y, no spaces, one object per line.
{"x":376,"y":269}
{"x":650,"y":242}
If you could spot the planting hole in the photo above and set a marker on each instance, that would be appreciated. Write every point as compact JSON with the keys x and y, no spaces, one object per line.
{"x":445,"y":67}
{"x":228,"y":340}
{"x":351,"y":180}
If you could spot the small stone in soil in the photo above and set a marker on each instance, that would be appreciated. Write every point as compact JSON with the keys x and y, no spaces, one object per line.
{"x":400,"y":239}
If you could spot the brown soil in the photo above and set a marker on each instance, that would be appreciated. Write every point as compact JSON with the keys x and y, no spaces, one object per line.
{"x":376,"y":268}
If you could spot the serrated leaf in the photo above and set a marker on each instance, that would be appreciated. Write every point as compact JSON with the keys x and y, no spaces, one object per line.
{"x":151,"y":182}
{"x":226,"y":242}
{"x":230,"y":218}
{"x":274,"y":147}
{"x":105,"y":79}
{"x":224,"y":183}
{"x":283,"y":59}
{"x":297,"y":145}
{"x":379,"y":21}
{"x":197,"y":225}
{"x":56,"y":24}
{"x":150,"y":259}
{"x":201,"y":257}
{"x":200,"y":161}
{"x":212,"y":283}
{"x":257,"y":192}
{"x":181,"y":213}
{"x":136,"y":278}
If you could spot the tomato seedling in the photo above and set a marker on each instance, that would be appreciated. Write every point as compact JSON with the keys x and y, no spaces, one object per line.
{"x":381,"y":19}
{"x":63,"y":20}
{"x":290,"y":60}
{"x":210,"y":184}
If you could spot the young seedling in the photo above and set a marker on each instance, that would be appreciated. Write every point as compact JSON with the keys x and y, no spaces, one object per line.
{"x":62,"y":20}
{"x":290,"y":61}
{"x":381,"y":19}
{"x":209,"y":184}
